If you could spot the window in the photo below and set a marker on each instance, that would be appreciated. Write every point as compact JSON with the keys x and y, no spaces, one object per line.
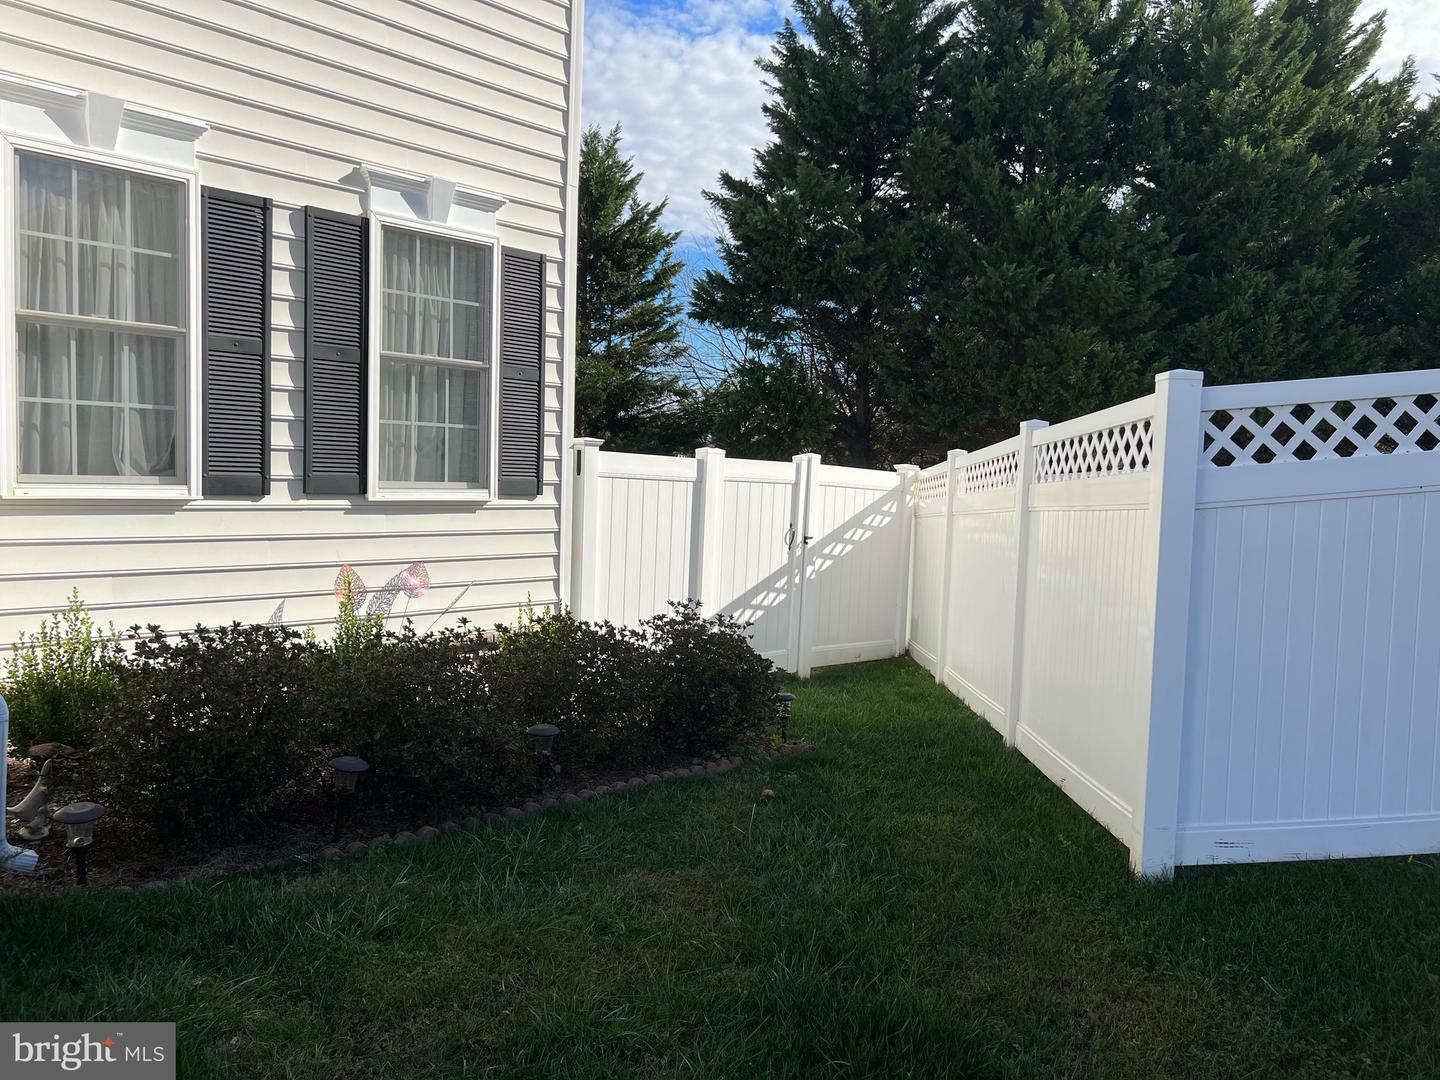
{"x":437,"y":334}
{"x":101,"y":298}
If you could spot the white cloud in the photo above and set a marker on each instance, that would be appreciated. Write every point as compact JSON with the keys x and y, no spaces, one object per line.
{"x":1412,"y":28}
{"x":681,"y":81}
{"x":679,"y":76}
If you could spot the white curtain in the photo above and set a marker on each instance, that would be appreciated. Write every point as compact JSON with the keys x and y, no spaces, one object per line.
{"x":46,"y":206}
{"x":99,"y":243}
{"x":437,"y":297}
{"x":112,"y":412}
{"x":433,"y":420}
{"x":417,"y":324}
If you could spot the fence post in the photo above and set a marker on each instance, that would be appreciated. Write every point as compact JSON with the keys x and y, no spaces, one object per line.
{"x":1024,"y":477}
{"x":807,"y":478}
{"x":707,"y":538}
{"x":586,"y":571}
{"x":793,"y":533}
{"x":954,"y":462}
{"x":1174,"y":475}
{"x":906,"y":510}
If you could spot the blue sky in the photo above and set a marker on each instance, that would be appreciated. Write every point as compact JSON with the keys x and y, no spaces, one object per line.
{"x":679,"y":77}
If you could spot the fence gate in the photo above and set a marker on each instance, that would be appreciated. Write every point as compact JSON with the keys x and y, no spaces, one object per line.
{"x":814,"y":557}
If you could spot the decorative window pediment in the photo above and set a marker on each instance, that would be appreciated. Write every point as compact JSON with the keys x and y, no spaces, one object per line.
{"x":82,"y":118}
{"x":431,"y":199}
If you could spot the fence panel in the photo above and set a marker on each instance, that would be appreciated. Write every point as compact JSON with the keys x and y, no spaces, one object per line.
{"x":756,"y":577}
{"x":857,"y":566}
{"x":1312,"y":696}
{"x":927,"y":601}
{"x":1087,"y":615}
{"x":645,"y":515}
{"x":750,"y":539}
{"x":981,"y":611}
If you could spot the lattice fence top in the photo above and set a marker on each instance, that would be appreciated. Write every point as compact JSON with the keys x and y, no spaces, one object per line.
{"x":1115,"y":451}
{"x":1322,"y":430}
{"x":994,"y":474}
{"x":930,"y":491}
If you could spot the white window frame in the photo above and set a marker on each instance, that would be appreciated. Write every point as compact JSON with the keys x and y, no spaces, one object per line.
{"x":377,"y":489}
{"x":187,"y":485}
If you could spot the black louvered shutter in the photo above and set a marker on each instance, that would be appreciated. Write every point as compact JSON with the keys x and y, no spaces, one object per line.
{"x":336,"y":253}
{"x":235,"y":319}
{"x":522,"y":353}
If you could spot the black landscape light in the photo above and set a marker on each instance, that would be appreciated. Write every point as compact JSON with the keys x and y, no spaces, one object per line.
{"x":783,"y":701}
{"x":79,"y":820}
{"x":345,"y":772}
{"x":542,"y":742}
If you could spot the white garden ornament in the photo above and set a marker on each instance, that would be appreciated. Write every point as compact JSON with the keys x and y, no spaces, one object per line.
{"x":33,"y":810}
{"x":11,"y":858}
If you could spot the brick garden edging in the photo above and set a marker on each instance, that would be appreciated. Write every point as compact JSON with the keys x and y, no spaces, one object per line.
{"x":481,"y":822}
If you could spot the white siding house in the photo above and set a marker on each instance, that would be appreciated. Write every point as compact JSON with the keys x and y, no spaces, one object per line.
{"x":431,"y":146}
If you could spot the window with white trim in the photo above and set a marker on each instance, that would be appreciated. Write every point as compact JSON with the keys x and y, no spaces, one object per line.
{"x":437,"y":337}
{"x":101,"y":302}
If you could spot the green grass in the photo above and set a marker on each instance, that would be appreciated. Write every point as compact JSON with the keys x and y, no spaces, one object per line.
{"x":916,"y":901}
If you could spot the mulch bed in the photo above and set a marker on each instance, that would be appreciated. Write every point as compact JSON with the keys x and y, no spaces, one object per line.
{"x":129,"y":855}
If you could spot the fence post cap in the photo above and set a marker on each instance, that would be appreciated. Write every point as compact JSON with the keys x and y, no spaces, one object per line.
{"x":956,"y":455}
{"x":1179,"y":375}
{"x":583,"y":443}
{"x":1033,"y":425}
{"x":709,"y":451}
{"x":906,"y":467}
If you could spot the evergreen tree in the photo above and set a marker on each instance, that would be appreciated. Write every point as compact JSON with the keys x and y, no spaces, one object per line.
{"x":629,"y":336}
{"x":768,"y":408}
{"x":818,"y":260}
{"x":968,"y":215}
{"x":1398,"y":222}
{"x":1039,"y":281}
{"x":1268,"y":130}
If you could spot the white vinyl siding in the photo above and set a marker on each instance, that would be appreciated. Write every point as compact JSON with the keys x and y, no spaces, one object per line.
{"x":297,"y":94}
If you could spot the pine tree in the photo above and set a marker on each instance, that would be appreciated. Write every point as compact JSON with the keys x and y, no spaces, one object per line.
{"x":969,"y":215}
{"x":1268,"y":131}
{"x":1039,"y":281}
{"x":819,"y":257}
{"x":1398,"y":223}
{"x":629,"y":333}
{"x":767,"y":408}
{"x":1403,"y":280}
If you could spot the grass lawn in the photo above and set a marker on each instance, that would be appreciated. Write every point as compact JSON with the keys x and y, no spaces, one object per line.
{"x":916,"y":901}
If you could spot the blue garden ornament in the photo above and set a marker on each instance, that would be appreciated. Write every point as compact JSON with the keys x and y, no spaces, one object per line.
{"x":22,"y":860}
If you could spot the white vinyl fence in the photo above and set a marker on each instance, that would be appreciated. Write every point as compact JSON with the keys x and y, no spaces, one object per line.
{"x":813,"y":556}
{"x":1212,"y":615}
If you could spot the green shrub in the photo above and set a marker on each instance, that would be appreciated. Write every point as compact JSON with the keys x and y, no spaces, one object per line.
{"x":216,"y":734}
{"x":710,"y":686}
{"x":61,"y":678}
{"x":356,"y":632}
{"x":416,"y":708}
{"x":593,"y":680}
{"x":208,"y":735}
